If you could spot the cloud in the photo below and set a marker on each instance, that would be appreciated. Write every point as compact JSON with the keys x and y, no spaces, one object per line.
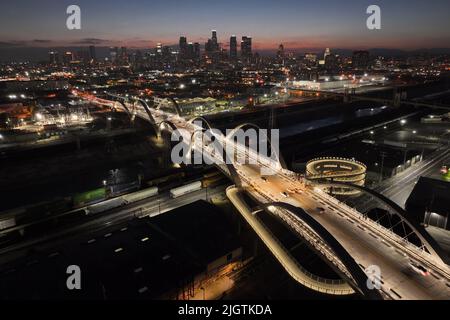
{"x":7,"y":44}
{"x":41,"y":41}
{"x":91,"y":41}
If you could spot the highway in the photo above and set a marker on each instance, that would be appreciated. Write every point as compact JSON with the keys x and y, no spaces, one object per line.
{"x":399,"y":187}
{"x":367,"y":242}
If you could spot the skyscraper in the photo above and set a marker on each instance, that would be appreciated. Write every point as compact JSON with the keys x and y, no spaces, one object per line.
{"x":190,"y":51}
{"x":280,"y":52}
{"x":158,"y":50}
{"x":68,"y":57}
{"x":197,"y":50}
{"x":233,"y":47}
{"x":92,"y":55}
{"x":326,"y":53}
{"x":246,"y":47}
{"x":53,"y":57}
{"x":123,"y":54}
{"x":215,"y":43}
{"x":114,"y":53}
{"x":183,"y":47}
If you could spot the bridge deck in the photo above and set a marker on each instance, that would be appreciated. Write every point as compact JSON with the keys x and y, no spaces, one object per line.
{"x":365,"y":242}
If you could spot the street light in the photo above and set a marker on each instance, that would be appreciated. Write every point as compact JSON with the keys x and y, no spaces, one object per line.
{"x":403,"y":121}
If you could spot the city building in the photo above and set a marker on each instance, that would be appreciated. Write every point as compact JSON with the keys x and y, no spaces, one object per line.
{"x":323,"y":84}
{"x":92,"y":54}
{"x":428,"y":203}
{"x":214,"y":41}
{"x":68,"y":57}
{"x":53,"y":57}
{"x":113,"y":54}
{"x":280,"y":53}
{"x":183,"y":47}
{"x":246,"y":47}
{"x":233,"y":47}
{"x":360,"y":60}
{"x":326,"y":53}
{"x":123,"y":54}
{"x":197,"y":52}
{"x":311,"y":57}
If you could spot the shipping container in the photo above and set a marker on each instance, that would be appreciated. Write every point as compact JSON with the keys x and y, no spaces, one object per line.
{"x":140,"y":195}
{"x":188,"y":188}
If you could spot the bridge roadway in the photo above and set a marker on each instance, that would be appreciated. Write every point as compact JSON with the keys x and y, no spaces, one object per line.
{"x":367,"y":242}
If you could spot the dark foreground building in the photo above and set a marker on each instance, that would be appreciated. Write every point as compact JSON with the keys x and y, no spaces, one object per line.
{"x":429,"y":203}
{"x":165,"y":257}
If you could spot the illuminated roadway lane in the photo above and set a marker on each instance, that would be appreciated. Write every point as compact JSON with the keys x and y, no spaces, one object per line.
{"x":367,"y":242}
{"x":399,"y":187}
{"x":367,"y":250}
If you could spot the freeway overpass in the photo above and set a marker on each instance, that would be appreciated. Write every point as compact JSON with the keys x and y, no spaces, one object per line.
{"x":397,"y":100}
{"x":347,"y":240}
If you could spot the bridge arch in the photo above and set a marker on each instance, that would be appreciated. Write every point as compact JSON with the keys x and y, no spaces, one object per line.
{"x":230,"y":167}
{"x":174,"y":104}
{"x":147,"y":110}
{"x":202,"y":120}
{"x":350,"y":264}
{"x":123,"y":105}
{"x":168,"y":123}
{"x":123,"y":101}
{"x":278,"y":155}
{"x":427,"y":241}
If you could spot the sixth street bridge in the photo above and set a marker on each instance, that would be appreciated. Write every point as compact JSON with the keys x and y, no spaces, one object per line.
{"x":349,"y":241}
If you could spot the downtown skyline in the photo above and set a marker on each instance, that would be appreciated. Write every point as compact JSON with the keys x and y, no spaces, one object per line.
{"x":299,"y":25}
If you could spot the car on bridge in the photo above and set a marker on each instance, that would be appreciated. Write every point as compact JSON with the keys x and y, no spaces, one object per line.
{"x":419,"y":269}
{"x":320,"y":210}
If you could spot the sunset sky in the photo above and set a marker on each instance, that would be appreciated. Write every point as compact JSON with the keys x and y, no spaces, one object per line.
{"x":295,"y":23}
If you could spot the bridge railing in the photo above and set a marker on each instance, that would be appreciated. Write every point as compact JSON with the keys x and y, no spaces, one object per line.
{"x":392,"y":236}
{"x":313,"y":276}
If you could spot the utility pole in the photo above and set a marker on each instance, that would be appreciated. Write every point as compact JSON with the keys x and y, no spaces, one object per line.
{"x":272,"y":121}
{"x":383,"y":155}
{"x":404,"y":158}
